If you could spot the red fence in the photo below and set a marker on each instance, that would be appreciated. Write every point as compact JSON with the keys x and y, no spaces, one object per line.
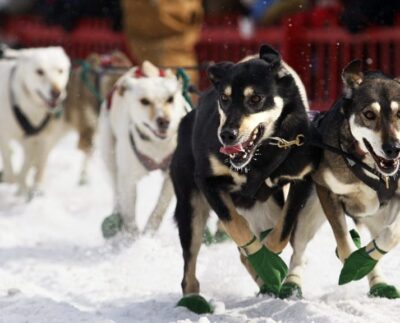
{"x":313,"y":44}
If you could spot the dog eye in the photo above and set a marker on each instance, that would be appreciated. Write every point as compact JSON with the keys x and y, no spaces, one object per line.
{"x":170,"y":99}
{"x":39,"y":72}
{"x":144,"y":101}
{"x":370,"y":115}
{"x":255,"y":99}
{"x":224,"y":98}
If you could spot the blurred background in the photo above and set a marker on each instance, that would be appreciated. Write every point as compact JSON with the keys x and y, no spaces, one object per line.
{"x":316,"y":37}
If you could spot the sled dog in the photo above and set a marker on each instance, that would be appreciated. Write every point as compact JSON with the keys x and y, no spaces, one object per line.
{"x":138,"y":130}
{"x":34,"y":87}
{"x":246,"y":140}
{"x":358,"y":173}
{"x":88,"y":85}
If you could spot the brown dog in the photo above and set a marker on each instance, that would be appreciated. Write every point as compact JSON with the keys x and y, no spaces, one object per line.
{"x":89,"y":84}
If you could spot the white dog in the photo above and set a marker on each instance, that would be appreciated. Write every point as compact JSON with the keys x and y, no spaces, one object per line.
{"x":33,"y":88}
{"x":138,"y":130}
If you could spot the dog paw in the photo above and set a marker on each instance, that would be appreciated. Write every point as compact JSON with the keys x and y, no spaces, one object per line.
{"x":196,"y":303}
{"x":290,"y":290}
{"x":384,"y":290}
{"x":357,"y":266}
{"x":270,"y":268}
{"x":111,"y":225}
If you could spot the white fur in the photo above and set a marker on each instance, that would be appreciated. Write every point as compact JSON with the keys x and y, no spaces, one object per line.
{"x":124,"y":116}
{"x":373,"y":137}
{"x":32,"y":93}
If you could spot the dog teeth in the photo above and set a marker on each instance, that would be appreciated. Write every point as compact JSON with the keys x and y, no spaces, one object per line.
{"x":231,"y":155}
{"x":251,"y":143}
{"x":245,"y":155}
{"x":256,"y":131}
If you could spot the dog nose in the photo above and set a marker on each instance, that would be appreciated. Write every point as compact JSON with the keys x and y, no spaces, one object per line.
{"x":229,"y":135}
{"x":392,"y":149}
{"x":162,"y":123}
{"x":55,"y":93}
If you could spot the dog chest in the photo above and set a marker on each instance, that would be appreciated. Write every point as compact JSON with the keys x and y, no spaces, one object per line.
{"x":358,"y":199}
{"x":220,"y":169}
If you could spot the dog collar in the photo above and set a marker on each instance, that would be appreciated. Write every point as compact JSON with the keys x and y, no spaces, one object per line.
{"x":23,"y":121}
{"x":149,"y":163}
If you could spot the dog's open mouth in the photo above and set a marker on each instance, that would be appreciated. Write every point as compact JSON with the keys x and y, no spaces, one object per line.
{"x":386,"y":166}
{"x":241,"y":154}
{"x":51,"y":103}
{"x":162,"y":134}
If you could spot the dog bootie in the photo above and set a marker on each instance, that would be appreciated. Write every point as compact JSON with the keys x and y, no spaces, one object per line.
{"x":111,"y":225}
{"x":358,"y":265}
{"x":195,"y":303}
{"x":384,"y":290}
{"x":290,"y":290}
{"x":268,"y":266}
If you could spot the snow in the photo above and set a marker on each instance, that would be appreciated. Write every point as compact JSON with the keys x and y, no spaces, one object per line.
{"x":56,"y":267}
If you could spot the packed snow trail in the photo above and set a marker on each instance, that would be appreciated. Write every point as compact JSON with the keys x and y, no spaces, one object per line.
{"x":56,"y":267}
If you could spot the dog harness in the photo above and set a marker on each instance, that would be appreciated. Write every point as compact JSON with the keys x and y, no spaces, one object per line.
{"x":23,"y":121}
{"x":385,"y":186}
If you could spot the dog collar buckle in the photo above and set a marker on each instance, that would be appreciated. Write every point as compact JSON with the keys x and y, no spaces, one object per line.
{"x":285,"y":144}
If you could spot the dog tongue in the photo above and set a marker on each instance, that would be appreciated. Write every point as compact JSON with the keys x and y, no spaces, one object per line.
{"x":231,"y":149}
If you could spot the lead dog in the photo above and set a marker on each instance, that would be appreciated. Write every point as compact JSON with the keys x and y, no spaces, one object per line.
{"x":243,"y":142}
{"x":138,"y":129}
{"x":34,"y":86}
{"x":358,"y":176}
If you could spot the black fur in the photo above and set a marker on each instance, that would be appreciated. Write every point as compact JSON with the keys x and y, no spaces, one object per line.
{"x":198,"y":138}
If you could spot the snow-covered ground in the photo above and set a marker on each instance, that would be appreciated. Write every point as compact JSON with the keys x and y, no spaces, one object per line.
{"x":56,"y":267}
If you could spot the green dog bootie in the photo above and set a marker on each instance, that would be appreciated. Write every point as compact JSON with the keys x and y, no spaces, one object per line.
{"x":195,"y":303}
{"x":384,"y":290}
{"x":111,"y":225}
{"x":358,"y":265}
{"x":289,"y":290}
{"x":270,"y":268}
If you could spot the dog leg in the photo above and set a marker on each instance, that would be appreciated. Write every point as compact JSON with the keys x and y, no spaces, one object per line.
{"x":163,"y":202}
{"x":83,"y":177}
{"x":8,"y":173}
{"x":127,"y":203}
{"x":309,"y":222}
{"x":191,"y":214}
{"x":299,"y":193}
{"x":40,"y":161}
{"x":387,"y":217}
{"x":336,"y":218}
{"x":269,"y":266}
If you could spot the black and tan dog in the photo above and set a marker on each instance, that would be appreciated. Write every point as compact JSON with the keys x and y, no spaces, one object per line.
{"x":243,"y":142}
{"x":358,"y":173}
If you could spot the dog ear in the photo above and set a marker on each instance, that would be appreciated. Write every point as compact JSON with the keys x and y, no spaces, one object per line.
{"x":217,"y":71}
{"x":149,"y":69}
{"x":271,"y":56}
{"x":352,"y":76}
